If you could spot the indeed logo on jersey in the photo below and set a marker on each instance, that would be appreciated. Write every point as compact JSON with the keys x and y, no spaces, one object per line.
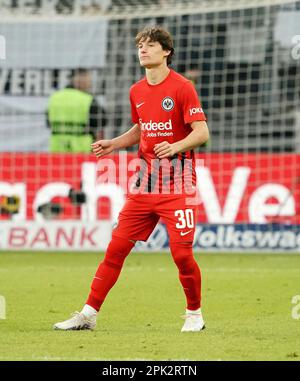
{"x":154,"y":126}
{"x":156,"y":129}
{"x":195,"y":110}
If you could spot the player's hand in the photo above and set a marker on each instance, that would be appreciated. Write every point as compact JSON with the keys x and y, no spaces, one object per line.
{"x":165,"y":149}
{"x":102,"y":147}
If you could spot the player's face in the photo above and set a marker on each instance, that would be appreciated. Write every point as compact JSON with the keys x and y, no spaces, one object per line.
{"x":151,"y":53}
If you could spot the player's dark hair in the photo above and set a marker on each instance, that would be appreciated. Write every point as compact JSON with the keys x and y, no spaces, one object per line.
{"x":157,"y":34}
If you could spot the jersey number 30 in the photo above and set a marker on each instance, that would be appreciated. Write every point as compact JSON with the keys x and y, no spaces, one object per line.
{"x":185,"y":218}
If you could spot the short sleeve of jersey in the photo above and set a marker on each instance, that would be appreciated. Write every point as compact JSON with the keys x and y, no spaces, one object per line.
{"x":190,"y":103}
{"x":134,"y":114}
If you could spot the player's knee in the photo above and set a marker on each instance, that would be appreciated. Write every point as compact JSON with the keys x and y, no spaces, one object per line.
{"x":182,"y":253}
{"x":117,"y":251}
{"x":181,"y":248}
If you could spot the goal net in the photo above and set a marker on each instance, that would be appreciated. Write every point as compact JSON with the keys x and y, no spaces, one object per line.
{"x":244,"y":59}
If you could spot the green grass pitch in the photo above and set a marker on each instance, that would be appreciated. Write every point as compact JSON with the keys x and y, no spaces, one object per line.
{"x":247,"y":306}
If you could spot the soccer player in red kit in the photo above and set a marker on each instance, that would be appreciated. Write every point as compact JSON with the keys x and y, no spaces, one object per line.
{"x":168,"y":124}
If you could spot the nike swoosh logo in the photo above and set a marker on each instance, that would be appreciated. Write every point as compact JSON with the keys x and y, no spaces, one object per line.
{"x":139,"y":104}
{"x":185,"y":233}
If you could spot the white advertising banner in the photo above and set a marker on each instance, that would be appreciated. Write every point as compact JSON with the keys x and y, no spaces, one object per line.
{"x":65,"y":235}
{"x":54,"y":44}
{"x":39,"y":58}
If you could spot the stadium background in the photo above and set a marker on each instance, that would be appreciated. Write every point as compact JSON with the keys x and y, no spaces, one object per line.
{"x":244,"y":57}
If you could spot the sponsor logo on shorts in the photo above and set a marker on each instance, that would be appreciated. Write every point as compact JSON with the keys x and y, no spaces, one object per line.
{"x":185,"y":233}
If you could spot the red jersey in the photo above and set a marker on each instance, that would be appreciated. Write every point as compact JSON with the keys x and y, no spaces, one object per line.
{"x":164,"y":112}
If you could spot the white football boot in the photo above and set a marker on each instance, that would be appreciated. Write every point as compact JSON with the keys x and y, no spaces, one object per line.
{"x":193,"y":322}
{"x":77,"y":322}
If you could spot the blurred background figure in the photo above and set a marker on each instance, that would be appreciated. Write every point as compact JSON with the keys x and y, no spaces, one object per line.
{"x":74,"y":116}
{"x":193,"y":74}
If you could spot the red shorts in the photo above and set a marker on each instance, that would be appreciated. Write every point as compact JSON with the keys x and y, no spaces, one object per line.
{"x":142,"y":212}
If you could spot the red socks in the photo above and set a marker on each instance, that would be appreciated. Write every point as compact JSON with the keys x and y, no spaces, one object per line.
{"x":108,"y":270}
{"x":118,"y":249}
{"x":189,"y":273}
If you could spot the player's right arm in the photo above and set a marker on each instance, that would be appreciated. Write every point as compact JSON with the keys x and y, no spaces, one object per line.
{"x":128,"y":139}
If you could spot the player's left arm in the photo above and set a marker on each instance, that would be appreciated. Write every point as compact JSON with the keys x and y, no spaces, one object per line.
{"x":196,"y":138}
